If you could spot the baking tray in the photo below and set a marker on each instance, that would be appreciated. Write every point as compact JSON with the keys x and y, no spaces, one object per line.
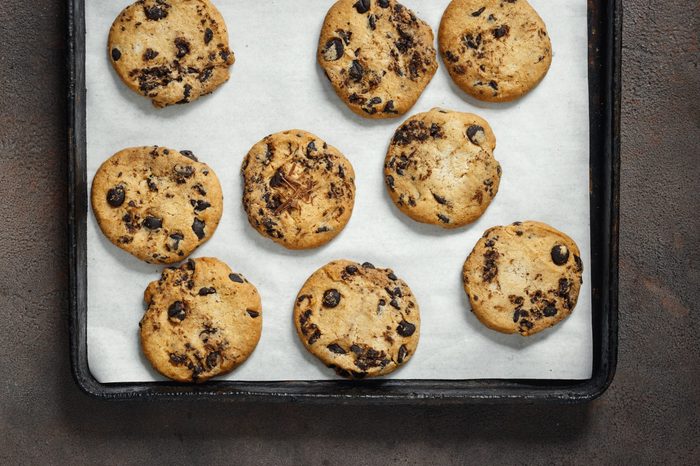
{"x":604,"y":32}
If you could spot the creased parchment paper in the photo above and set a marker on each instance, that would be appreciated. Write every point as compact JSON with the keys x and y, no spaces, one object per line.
{"x":276,"y":85}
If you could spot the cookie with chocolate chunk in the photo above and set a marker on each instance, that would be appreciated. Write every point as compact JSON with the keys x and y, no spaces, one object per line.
{"x":495,"y":50}
{"x":523,"y":278}
{"x":378,"y":56}
{"x":359,"y":320}
{"x":171,"y":51}
{"x":203,"y":320}
{"x":440,"y":168}
{"x":156,"y":203}
{"x":298,"y":190}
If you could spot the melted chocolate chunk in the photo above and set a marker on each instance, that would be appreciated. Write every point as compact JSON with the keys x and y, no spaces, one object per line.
{"x":253,"y":314}
{"x":333,"y":50}
{"x":153,"y":223}
{"x":351,"y":270}
{"x":116,"y":54}
{"x":331,"y":298}
{"x":177,"y":310}
{"x":362,"y":6}
{"x":501,"y":31}
{"x":336,"y":348}
{"x":476,"y":134}
{"x":156,"y":13}
{"x":208,"y":35}
{"x":405,"y":329}
{"x":183,"y":47}
{"x":403,"y":352}
{"x":234,"y":277}
{"x":356,"y":71}
{"x":198,"y":228}
{"x":116,"y":196}
{"x":560,"y":254}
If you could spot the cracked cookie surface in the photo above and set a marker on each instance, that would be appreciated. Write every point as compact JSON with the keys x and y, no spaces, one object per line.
{"x":523,"y":277}
{"x":171,"y":51}
{"x":155,"y":203}
{"x":202,"y":320}
{"x":298,"y":190}
{"x":378,"y":56}
{"x":494,"y":50}
{"x":440,"y":168}
{"x":359,"y":320}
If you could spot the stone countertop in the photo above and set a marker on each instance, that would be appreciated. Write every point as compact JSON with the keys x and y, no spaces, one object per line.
{"x":649,"y":414}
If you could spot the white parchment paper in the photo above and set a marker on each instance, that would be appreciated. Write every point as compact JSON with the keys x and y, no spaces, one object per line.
{"x":276,"y":85}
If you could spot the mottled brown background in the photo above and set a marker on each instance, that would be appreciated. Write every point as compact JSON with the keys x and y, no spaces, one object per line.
{"x":650,"y":414}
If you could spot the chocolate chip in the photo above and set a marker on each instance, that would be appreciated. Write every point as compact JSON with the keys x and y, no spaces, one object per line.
{"x":444,"y":218}
{"x":501,"y":31}
{"x":116,"y":196}
{"x":390,"y":181}
{"x":277,"y":179}
{"x":579,"y":263}
{"x":335,"y":348}
{"x":395,"y":304}
{"x":331,"y":298}
{"x":493,"y":85}
{"x":207,"y":291}
{"x":213,"y":359}
{"x":176,"y":237}
{"x":471,"y":41}
{"x":314,"y":337}
{"x":560,"y":254}
{"x":351,"y":270}
{"x":149,"y":54}
{"x":476,"y":134}
{"x":252,"y":313}
{"x":116,"y":54}
{"x":153,"y":223}
{"x":177,"y":310}
{"x":362,"y":6}
{"x":201,"y":206}
{"x":208,"y":35}
{"x":478,"y":12}
{"x":383,"y":3}
{"x":405,"y":329}
{"x":182,"y":173}
{"x":368,"y":265}
{"x":234,"y":277}
{"x":392,"y":276}
{"x":526,"y":324}
{"x":356,"y":349}
{"x":198,"y":228}
{"x":333,"y":50}
{"x":440,"y":199}
{"x":516,"y":315}
{"x":550,"y":310}
{"x":155,"y":13}
{"x":356,"y":71}
{"x":372,"y":22}
{"x":403,"y":352}
{"x":183,"y":47}
{"x":311,"y":148}
{"x":389,"y":107}
{"x":189,"y":155}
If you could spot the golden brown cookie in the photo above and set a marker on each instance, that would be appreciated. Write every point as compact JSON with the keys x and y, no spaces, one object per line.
{"x":440,"y":168}
{"x":357,"y":319}
{"x":495,"y":50}
{"x":378,"y":56}
{"x":298,"y":190}
{"x":203,"y":320}
{"x":523,"y":278}
{"x":156,"y":203}
{"x":171,"y":51}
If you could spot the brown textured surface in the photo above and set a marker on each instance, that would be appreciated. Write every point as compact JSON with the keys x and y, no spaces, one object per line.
{"x":648,"y":415}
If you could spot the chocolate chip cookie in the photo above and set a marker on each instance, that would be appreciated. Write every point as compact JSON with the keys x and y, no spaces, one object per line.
{"x":495,"y":50}
{"x":523,"y":278}
{"x":358,"y":320}
{"x":378,"y":56}
{"x":203,"y":320}
{"x":440,"y":168}
{"x":298,"y":190}
{"x":156,"y":203}
{"x":171,"y":51}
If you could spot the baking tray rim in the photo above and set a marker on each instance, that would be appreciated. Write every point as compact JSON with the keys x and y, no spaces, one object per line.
{"x":605,"y":33}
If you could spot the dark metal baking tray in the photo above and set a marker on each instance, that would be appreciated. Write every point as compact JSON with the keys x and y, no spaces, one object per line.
{"x":604,"y":33}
